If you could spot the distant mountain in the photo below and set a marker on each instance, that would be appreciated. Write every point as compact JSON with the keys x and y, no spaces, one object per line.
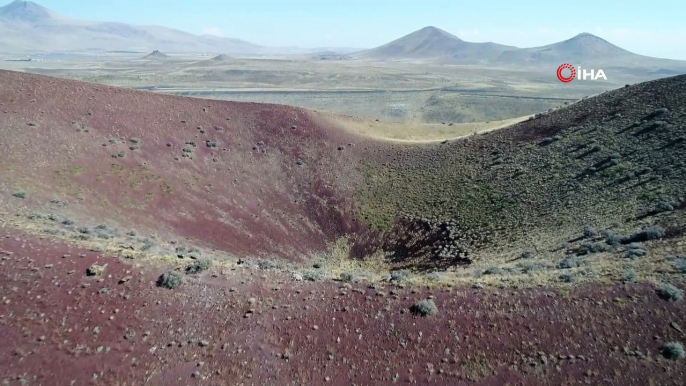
{"x":156,"y":55}
{"x":582,"y":49}
{"x":221,"y":58}
{"x":434,"y":44}
{"x":26,"y":27}
{"x":26,"y":12}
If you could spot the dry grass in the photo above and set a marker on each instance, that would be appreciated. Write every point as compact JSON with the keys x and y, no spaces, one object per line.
{"x":414,"y":132}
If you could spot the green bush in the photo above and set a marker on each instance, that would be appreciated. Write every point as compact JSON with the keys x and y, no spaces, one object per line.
{"x":493,"y":271}
{"x":349,"y":277}
{"x":425,"y":308}
{"x":569,"y":262}
{"x":267,"y":264}
{"x":670,"y":292}
{"x":199,"y":266}
{"x":400,"y":276}
{"x":567,"y":278}
{"x":19,"y":194}
{"x":635,"y":250}
{"x":680,"y":265}
{"x":314,"y":275}
{"x":531,"y":266}
{"x":674,"y":351}
{"x":170,"y":280}
{"x":653,"y":232}
{"x":628,"y":276}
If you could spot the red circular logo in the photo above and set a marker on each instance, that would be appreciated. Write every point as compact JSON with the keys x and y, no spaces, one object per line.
{"x":571,"y":76}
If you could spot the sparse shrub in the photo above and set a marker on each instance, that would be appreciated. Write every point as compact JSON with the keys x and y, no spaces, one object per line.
{"x":135,"y":140}
{"x":268,"y":264}
{"x":121,"y":154}
{"x":349,"y":277}
{"x":314,"y":275}
{"x":567,"y":278}
{"x":674,"y":351}
{"x":57,"y":201}
{"x":84,"y":230}
{"x":53,"y":217}
{"x":209,"y":143}
{"x":132,"y":233}
{"x":528,"y":254}
{"x":635,"y":250}
{"x":653,"y":232}
{"x":400,"y":276}
{"x":664,"y":206}
{"x":19,"y":194}
{"x":680,"y":265}
{"x":96,"y":270}
{"x":103,"y":235}
{"x":425,"y":308}
{"x":589,"y":231}
{"x":194,"y":253}
{"x":493,"y":271}
{"x":67,"y":221}
{"x":199,"y":266}
{"x":35,"y":216}
{"x":433,"y":276}
{"x":60,"y":232}
{"x":569,"y":262}
{"x":134,"y":147}
{"x":530,"y":266}
{"x":628,"y":276}
{"x":549,"y":140}
{"x":658,"y":112}
{"x":611,"y":238}
{"x":170,"y":280}
{"x":670,"y":292}
{"x":147,"y":244}
{"x":589,"y":248}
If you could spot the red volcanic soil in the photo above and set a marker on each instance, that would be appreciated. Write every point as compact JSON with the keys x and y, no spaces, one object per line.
{"x":263,"y":179}
{"x":61,"y":327}
{"x":260,"y":181}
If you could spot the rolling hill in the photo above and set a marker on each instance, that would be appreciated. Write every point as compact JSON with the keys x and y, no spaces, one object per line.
{"x":431,"y":43}
{"x":583,"y":49}
{"x":156,"y":239}
{"x":281,"y":181}
{"x":27,"y":27}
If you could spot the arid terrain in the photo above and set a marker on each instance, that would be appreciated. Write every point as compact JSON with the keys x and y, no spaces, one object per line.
{"x":179,"y":209}
{"x":391,"y":92}
{"x":300,"y":249}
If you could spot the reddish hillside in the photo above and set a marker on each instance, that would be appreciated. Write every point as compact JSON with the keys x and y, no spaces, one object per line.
{"x":260,"y":180}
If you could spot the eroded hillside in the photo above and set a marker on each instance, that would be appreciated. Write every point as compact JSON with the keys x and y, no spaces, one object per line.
{"x":264,"y":181}
{"x":150,"y":239}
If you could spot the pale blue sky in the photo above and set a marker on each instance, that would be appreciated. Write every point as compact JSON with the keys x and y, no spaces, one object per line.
{"x":655,"y":28}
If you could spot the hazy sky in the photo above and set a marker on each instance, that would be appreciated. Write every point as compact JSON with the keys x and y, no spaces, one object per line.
{"x":655,"y":28}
